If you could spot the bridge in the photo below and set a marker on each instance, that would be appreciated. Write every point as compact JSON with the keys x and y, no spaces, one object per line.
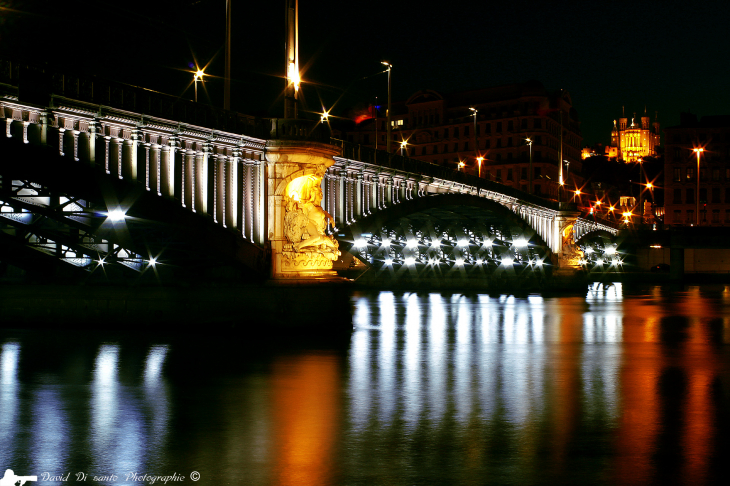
{"x":110,"y":179}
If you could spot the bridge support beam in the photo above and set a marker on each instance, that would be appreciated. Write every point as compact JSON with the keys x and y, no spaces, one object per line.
{"x":296,"y":223}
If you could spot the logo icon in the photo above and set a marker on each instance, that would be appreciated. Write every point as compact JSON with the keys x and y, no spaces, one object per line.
{"x":10,"y":479}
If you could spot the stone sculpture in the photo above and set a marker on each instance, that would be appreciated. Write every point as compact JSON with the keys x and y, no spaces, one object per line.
{"x":305,"y":222}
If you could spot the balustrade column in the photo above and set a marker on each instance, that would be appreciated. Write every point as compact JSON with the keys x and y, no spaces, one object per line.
{"x":107,"y":142}
{"x":184,"y":178}
{"x":206,"y":170}
{"x":147,"y":147}
{"x":232,"y":189}
{"x":120,"y":156}
{"x":358,"y":196}
{"x":132,"y":164}
{"x":242,"y":196}
{"x":260,"y":210}
{"x":75,"y":134}
{"x":174,"y":169}
{"x":61,"y":130}
{"x":44,"y":128}
{"x":92,"y":143}
{"x":341,"y":198}
{"x":157,"y":166}
{"x":215,"y":188}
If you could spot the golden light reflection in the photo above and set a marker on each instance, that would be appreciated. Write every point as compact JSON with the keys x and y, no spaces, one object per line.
{"x":306,"y":405}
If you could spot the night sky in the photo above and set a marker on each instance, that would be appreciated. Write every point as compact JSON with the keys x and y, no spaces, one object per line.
{"x":666,"y":56}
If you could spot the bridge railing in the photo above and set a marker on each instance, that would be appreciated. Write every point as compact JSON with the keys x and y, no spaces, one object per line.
{"x":396,"y":161}
{"x":38,"y":85}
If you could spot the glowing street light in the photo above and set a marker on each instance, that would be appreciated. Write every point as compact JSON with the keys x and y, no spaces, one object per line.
{"x":461,"y":164}
{"x":403,"y":144}
{"x":116,"y":215}
{"x":698,"y":151}
{"x":198,"y":76}
{"x":479,"y":161}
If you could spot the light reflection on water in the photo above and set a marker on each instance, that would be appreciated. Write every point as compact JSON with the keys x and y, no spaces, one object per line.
{"x":613,"y":387}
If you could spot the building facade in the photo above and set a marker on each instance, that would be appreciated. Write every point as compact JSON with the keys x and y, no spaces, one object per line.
{"x":634,"y":140}
{"x":493,"y":124}
{"x":697,"y":148}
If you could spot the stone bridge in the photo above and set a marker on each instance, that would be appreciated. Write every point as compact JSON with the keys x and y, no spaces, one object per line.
{"x":104,"y":176}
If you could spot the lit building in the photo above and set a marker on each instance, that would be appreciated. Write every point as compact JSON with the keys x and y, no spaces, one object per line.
{"x":689,"y":146}
{"x":493,"y":124}
{"x":631,"y":141}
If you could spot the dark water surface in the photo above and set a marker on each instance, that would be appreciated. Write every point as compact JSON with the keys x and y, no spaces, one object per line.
{"x":614,"y":387}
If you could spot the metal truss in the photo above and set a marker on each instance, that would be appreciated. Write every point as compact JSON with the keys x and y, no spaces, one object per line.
{"x":63,"y":227}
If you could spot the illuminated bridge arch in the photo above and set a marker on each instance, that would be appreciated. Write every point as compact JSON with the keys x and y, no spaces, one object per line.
{"x":448,"y":233}
{"x":600,"y":251}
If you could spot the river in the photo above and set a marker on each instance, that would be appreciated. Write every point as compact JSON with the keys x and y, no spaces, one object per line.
{"x":614,"y":386}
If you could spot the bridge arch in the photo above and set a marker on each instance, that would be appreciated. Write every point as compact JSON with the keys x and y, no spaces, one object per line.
{"x":600,"y":250}
{"x":451,"y":230}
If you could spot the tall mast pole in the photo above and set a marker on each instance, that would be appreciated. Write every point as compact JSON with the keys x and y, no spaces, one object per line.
{"x":227,"y":81}
{"x":291,"y":92}
{"x":560,"y":108}
{"x":389,"y":133}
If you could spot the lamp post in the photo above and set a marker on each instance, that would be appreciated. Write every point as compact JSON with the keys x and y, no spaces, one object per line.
{"x":461,"y":165}
{"x":387,"y":112}
{"x":698,"y":151}
{"x":479,"y":162}
{"x":529,"y":142}
{"x":198,"y":76}
{"x":641,"y":190}
{"x":403,"y":144}
{"x":474,"y":112}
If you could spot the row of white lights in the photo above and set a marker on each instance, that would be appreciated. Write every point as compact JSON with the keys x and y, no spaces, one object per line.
{"x":608,"y":251}
{"x":459,"y":262}
{"x":517,"y":243}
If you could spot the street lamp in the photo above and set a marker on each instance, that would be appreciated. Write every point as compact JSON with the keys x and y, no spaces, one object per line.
{"x":403,"y":144}
{"x":529,"y":142}
{"x":387,"y":113}
{"x":476,"y":143}
{"x":479,"y":161}
{"x":698,"y":151}
{"x":461,"y":164}
{"x":198,"y":75}
{"x":641,"y":191}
